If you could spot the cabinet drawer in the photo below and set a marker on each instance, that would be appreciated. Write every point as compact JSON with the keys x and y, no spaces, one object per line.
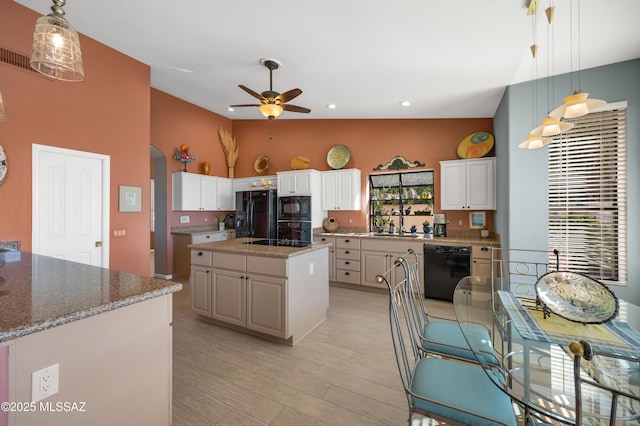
{"x":208,"y":238}
{"x":351,"y":277}
{"x":229,"y":261}
{"x":353,"y":243}
{"x":350,"y":265}
{"x":267,"y":265}
{"x":481,"y":252}
{"x":348,"y":254}
{"x":321,"y":239}
{"x":201,"y":257}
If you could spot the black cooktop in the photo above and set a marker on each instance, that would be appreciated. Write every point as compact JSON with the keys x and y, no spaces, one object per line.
{"x":281,"y":243}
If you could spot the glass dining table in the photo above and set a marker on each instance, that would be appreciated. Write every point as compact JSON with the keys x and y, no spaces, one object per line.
{"x":532,"y":359}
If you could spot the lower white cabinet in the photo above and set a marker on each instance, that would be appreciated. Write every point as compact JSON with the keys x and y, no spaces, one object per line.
{"x":481,"y":261}
{"x":348,"y":260}
{"x":378,"y":256}
{"x":332,"y":253}
{"x":266,"y":298}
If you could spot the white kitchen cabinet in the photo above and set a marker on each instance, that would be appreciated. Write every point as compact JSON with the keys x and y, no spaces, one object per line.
{"x":266,"y":304}
{"x":378,"y":257}
{"x":182,"y":253}
{"x":332,"y":253}
{"x":341,"y":190}
{"x":348,"y":260}
{"x":299,"y":182}
{"x":201,"y":282}
{"x":481,"y":261}
{"x":228,"y":297}
{"x":254,"y":183}
{"x":195,"y":192}
{"x":468,"y":184}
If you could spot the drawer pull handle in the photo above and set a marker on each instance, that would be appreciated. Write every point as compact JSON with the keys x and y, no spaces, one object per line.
{"x":485,"y":249}
{"x":346,"y":273}
{"x":347,"y":252}
{"x":200,"y":253}
{"x":347,"y":241}
{"x":346,"y":263}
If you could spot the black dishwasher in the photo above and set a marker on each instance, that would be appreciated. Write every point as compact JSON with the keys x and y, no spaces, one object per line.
{"x":444,"y":266}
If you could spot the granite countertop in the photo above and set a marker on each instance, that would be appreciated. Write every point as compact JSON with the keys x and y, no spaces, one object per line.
{"x":40,"y":292}
{"x":455,"y":239}
{"x":244,"y":246}
{"x":198,"y":229}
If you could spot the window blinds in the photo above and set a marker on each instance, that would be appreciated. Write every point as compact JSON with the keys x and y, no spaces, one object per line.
{"x":588,"y":196}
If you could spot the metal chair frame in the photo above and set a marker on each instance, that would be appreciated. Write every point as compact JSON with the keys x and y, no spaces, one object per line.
{"x":402,"y":320}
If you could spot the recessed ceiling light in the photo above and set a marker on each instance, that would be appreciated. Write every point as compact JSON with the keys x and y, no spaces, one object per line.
{"x":332,"y":106}
{"x":230,"y":109}
{"x":405,"y":103}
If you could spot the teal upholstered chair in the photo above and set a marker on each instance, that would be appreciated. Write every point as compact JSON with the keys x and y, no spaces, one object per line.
{"x":442,"y":389}
{"x":439,"y":336}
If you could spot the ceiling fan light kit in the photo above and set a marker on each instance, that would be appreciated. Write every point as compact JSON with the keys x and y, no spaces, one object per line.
{"x":272,"y":103}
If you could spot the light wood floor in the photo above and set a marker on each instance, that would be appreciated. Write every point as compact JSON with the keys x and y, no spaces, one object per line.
{"x":342,"y":373}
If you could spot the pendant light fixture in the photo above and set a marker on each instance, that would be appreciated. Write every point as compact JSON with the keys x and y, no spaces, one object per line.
{"x":551,"y":126}
{"x":2,"y":115}
{"x":577,"y":104}
{"x":56,"y":47}
{"x":534,"y":141}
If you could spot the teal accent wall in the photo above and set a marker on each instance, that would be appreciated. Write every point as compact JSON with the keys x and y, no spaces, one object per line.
{"x":522,"y":215}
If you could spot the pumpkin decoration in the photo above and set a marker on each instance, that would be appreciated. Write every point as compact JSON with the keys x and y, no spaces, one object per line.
{"x":300,"y":163}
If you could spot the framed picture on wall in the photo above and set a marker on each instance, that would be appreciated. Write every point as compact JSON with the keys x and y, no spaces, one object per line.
{"x":130,"y":199}
{"x":477,"y":220}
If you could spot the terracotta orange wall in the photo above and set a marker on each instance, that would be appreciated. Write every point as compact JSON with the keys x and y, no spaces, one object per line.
{"x":108,"y":113}
{"x":371,"y":142}
{"x":175,"y":122}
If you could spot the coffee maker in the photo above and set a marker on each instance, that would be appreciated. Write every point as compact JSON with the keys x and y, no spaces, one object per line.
{"x":439,"y":225}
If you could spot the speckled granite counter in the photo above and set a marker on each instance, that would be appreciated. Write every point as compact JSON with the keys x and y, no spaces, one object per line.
{"x":244,"y":246}
{"x":39,"y":292}
{"x":452,"y":240}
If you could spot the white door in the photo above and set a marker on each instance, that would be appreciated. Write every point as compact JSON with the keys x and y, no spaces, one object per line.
{"x":71,"y":205}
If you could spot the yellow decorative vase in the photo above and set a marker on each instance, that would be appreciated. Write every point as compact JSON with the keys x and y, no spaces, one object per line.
{"x":206,"y":168}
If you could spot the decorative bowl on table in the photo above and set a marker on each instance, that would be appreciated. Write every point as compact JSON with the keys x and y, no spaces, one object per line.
{"x":576,"y":297}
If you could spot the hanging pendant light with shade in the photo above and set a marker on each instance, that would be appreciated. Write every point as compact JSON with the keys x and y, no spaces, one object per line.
{"x":578,"y":104}
{"x":56,"y":47}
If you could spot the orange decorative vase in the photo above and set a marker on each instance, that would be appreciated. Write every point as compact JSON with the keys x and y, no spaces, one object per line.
{"x":206,"y":168}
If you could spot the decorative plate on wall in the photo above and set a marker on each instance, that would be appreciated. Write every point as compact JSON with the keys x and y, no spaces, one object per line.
{"x":338,"y":157}
{"x":262,"y":164}
{"x":475,"y":145}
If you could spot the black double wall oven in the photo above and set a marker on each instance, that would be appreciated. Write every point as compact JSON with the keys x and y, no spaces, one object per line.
{"x":294,"y":218}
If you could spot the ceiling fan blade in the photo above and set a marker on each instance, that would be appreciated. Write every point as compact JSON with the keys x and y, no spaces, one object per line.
{"x":245,"y":105}
{"x":295,"y":108}
{"x":251,"y":92}
{"x":287,"y":96}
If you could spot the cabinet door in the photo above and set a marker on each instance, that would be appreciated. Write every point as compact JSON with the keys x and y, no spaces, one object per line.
{"x":453,"y":191}
{"x":228,"y":297}
{"x":267,"y":305}
{"x":330,"y":194}
{"x":481,"y":184}
{"x":302,"y":184}
{"x":332,"y":254}
{"x":286,"y":184}
{"x":225,"y":199}
{"x":208,"y":191}
{"x":201,"y":290}
{"x":373,"y":263}
{"x":185,"y":191}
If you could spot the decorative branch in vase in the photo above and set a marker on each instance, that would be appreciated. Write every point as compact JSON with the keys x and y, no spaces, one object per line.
{"x":230,"y":149}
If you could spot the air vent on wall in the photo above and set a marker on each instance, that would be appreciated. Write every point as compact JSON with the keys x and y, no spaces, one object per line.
{"x":15,"y":59}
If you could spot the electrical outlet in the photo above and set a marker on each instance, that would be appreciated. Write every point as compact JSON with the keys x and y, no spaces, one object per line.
{"x":460,"y":222}
{"x":44,"y":383}
{"x":184,"y":219}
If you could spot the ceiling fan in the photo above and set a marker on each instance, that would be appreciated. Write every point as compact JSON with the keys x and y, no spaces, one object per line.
{"x":273,"y":103}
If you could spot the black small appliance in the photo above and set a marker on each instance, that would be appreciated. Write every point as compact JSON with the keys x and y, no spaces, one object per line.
{"x":439,"y":225}
{"x":294,"y":208}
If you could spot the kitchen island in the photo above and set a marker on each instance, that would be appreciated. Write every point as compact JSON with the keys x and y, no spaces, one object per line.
{"x":276,"y":292}
{"x":108,"y":333}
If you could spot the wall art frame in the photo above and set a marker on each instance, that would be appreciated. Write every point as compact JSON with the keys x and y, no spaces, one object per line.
{"x":130,"y":199}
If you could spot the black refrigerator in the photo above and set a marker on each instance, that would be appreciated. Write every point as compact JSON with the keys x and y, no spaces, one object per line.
{"x":256,"y":214}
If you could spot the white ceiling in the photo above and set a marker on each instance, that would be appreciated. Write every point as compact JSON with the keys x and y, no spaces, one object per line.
{"x":450,"y":59}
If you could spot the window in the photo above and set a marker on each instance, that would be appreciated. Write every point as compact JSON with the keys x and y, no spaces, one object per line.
{"x":588,"y":196}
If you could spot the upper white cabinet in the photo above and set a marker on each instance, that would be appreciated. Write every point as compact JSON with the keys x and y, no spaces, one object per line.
{"x":299,"y":182}
{"x":195,"y":192}
{"x":254,"y":183}
{"x":341,"y":190}
{"x":468,"y":184}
